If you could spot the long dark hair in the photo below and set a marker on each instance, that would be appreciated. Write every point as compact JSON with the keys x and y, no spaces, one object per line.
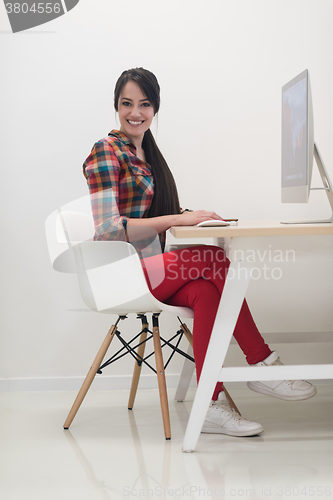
{"x":165,"y":200}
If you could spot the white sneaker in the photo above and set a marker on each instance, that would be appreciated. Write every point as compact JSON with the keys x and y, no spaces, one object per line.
{"x":289,"y":390}
{"x":221,"y":419}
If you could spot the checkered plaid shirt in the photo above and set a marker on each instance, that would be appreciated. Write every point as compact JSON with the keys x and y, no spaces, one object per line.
{"x":120,"y":184}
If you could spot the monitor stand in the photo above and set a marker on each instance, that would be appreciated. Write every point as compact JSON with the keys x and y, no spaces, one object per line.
{"x":327,"y":187}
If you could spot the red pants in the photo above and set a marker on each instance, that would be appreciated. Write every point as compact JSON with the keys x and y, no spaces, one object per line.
{"x":194,"y":277}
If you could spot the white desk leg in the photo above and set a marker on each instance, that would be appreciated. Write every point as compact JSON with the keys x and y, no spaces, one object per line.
{"x":230,"y":305}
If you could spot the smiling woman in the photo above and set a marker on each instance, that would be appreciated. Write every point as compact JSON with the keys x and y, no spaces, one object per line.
{"x":137,"y":99}
{"x":132,"y":188}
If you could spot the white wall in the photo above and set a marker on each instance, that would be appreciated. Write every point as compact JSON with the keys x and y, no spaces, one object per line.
{"x":221,"y":65}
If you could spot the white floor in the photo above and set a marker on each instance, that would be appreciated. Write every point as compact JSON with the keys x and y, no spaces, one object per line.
{"x":110,"y":452}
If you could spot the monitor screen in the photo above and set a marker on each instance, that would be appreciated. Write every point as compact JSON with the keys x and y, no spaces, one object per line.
{"x":297,"y":139}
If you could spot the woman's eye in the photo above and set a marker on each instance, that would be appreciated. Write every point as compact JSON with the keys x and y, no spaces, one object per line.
{"x":146,"y":104}
{"x":126,"y":103}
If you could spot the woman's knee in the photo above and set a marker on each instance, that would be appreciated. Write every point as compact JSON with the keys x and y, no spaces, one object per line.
{"x":203,"y":292}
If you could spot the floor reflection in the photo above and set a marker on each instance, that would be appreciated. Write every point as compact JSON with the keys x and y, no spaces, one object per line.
{"x":111,"y":453}
{"x":284,"y":461}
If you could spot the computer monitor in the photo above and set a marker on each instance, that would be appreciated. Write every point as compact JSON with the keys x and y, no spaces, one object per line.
{"x":297,"y":139}
{"x":298,"y":146}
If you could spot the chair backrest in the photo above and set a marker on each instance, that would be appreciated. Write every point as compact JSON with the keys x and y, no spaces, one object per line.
{"x":65,"y":229}
{"x":74,"y":227}
{"x":110,"y":274}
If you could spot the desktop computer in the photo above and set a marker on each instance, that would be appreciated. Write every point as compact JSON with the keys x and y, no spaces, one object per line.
{"x":298,"y":146}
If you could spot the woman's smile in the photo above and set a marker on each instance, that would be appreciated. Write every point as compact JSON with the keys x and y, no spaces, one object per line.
{"x":135,"y":112}
{"x":135,"y":123}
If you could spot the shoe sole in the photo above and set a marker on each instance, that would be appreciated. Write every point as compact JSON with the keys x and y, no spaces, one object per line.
{"x":267,"y":392}
{"x":219,"y":430}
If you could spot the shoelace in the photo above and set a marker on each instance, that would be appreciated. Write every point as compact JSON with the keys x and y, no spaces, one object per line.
{"x":226,"y":407}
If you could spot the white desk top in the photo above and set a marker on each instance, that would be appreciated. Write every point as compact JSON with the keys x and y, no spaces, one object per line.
{"x":252,"y":228}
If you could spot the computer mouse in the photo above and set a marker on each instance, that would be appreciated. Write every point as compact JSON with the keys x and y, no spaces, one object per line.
{"x":214,"y":223}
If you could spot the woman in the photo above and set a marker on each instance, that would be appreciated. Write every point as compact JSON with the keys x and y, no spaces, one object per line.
{"x":133,"y":191}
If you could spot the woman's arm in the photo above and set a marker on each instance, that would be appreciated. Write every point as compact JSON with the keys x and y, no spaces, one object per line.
{"x":101,"y":170}
{"x":164,"y":222}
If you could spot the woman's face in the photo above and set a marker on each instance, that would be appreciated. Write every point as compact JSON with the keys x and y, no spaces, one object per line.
{"x":135,"y":112}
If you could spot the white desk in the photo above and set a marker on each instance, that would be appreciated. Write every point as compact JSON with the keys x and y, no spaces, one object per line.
{"x":230,"y":304}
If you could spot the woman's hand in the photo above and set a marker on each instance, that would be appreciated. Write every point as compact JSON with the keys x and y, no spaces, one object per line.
{"x":164,"y":222}
{"x":193,"y":218}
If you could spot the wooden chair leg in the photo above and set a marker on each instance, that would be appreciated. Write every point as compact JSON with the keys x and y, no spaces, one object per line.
{"x":161,"y":379}
{"x":189,"y":337}
{"x":188,"y":367}
{"x":90,"y":376}
{"x":230,"y":400}
{"x":137,"y":367}
{"x":185,"y":377}
{"x":187,"y":333}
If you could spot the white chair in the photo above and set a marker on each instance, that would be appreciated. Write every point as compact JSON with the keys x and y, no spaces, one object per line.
{"x":112,"y":281}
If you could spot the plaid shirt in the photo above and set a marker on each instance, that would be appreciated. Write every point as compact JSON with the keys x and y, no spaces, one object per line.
{"x":120,"y":184}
